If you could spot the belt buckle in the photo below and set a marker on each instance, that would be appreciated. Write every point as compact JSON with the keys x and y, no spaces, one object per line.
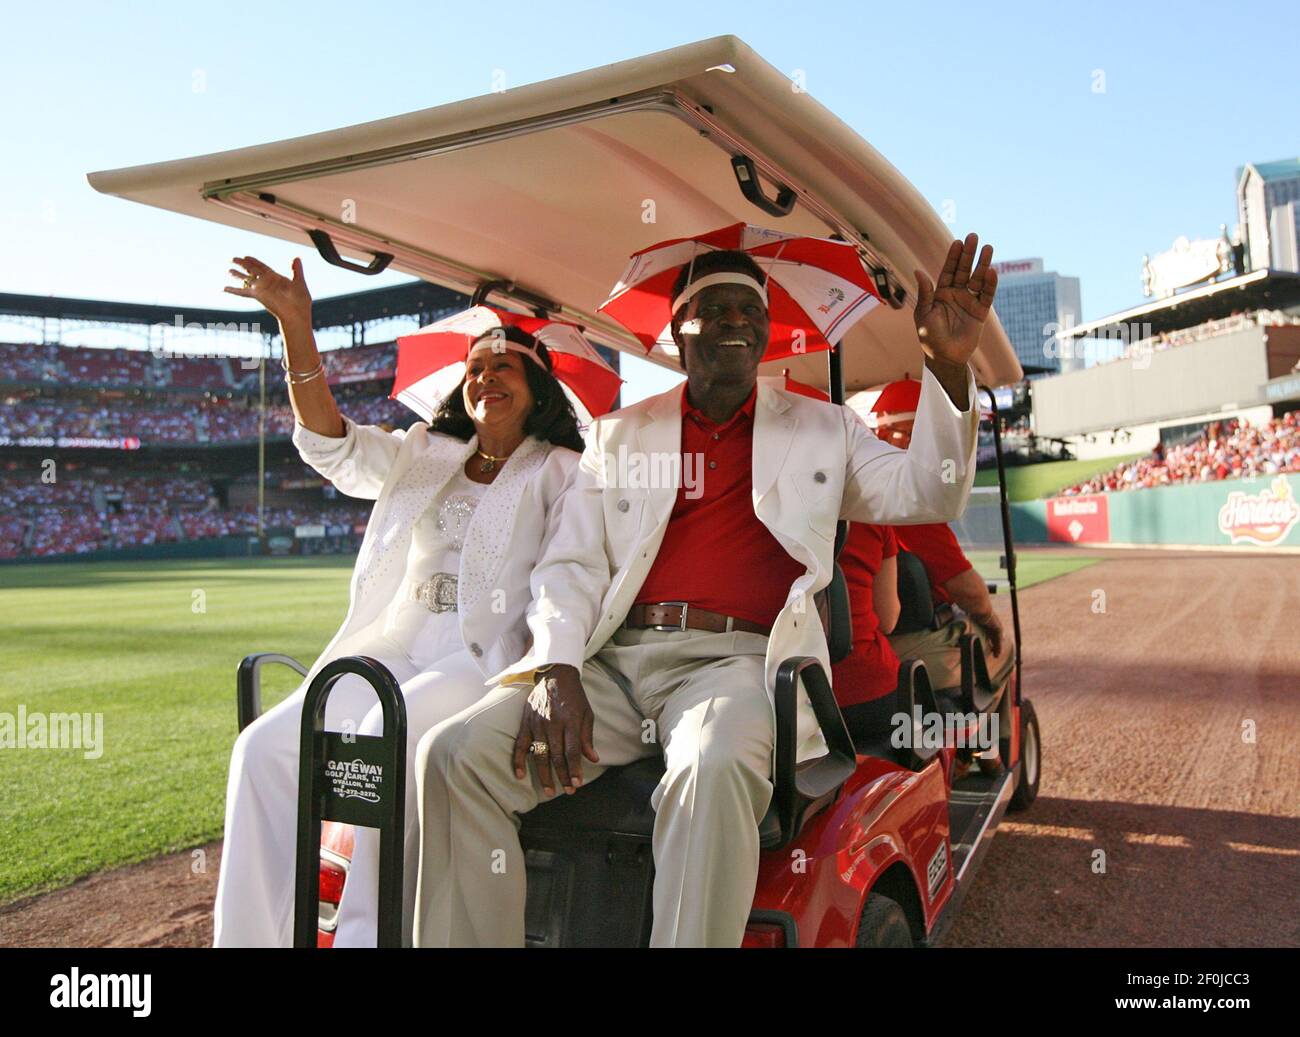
{"x":680,"y":624}
{"x":438,"y":593}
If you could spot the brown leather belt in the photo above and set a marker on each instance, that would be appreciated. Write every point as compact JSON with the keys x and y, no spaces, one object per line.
{"x":680,"y":615}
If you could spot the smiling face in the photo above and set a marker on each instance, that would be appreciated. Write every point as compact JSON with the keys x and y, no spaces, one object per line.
{"x":496,"y":391}
{"x":723,"y":335}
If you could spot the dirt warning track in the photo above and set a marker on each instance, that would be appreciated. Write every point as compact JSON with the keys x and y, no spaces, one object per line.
{"x":1147,"y":712}
{"x":1168,"y":691}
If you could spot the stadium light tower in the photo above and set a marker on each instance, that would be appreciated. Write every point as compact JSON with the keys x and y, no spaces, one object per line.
{"x":261,"y":440}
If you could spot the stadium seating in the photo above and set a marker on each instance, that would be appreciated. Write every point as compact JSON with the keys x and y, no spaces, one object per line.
{"x":13,"y":533}
{"x":105,"y":366}
{"x":28,"y":363}
{"x":164,"y":400}
{"x":1227,"y":450}
{"x":362,"y":363}
{"x":83,"y":512}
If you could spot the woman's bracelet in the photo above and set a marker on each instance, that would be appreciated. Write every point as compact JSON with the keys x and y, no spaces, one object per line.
{"x":301,"y":377}
{"x":284,"y":364}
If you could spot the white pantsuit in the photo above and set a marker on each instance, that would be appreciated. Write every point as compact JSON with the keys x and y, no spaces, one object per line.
{"x":441,"y":667}
{"x":710,"y":696}
{"x":255,"y":894}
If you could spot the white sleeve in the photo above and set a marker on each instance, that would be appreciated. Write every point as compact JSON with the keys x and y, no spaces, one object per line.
{"x":928,"y":482}
{"x":357,"y":462}
{"x":572,"y":574}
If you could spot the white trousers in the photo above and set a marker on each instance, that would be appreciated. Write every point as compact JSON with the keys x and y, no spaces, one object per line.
{"x":254,"y":906}
{"x":698,"y":698}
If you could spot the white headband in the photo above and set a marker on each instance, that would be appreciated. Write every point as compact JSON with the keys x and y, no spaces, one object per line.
{"x":494,"y":343}
{"x":722,"y":277}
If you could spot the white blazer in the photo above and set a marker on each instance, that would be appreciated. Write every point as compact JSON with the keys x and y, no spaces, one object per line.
{"x":403,"y":472}
{"x":813,"y":464}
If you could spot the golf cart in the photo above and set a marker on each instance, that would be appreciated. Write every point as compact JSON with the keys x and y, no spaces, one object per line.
{"x":534,"y":198}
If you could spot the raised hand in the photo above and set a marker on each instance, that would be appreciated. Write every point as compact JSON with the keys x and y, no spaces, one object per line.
{"x":950,"y":314}
{"x":286,"y":299}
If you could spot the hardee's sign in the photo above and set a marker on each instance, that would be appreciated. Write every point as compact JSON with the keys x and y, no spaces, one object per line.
{"x":1263,"y":518}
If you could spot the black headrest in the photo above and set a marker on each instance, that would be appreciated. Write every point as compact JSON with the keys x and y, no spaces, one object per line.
{"x":914,"y":597}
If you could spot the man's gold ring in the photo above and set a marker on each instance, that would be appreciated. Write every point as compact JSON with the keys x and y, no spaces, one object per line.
{"x":539,"y":748}
{"x":248,"y":282}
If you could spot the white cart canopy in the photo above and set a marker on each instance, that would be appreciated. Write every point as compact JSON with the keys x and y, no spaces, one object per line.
{"x":550,"y":188}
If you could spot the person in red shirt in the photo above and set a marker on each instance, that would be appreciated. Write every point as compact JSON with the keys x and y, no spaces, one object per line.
{"x":663,"y":608}
{"x":953,"y":581}
{"x":864,"y":680}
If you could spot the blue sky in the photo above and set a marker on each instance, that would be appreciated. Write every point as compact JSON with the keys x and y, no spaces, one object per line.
{"x":994,"y":108}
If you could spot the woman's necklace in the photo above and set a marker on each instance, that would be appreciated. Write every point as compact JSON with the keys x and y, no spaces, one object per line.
{"x":489,"y":462}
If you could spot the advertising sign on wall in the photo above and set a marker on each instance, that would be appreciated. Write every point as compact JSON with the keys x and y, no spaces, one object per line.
{"x":1263,"y":519}
{"x":1078,"y":520}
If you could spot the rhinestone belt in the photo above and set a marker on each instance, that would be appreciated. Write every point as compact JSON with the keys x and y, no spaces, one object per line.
{"x":437,"y":593}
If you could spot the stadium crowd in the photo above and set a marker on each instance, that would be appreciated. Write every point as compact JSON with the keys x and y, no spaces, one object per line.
{"x":182,"y":421}
{"x":82,"y":513}
{"x":361,"y":362}
{"x":243,"y":521}
{"x":118,"y":507}
{"x":75,"y":365}
{"x":139,"y":368}
{"x":1226,"y":450}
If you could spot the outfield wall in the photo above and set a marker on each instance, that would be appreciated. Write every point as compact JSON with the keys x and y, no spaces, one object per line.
{"x":217,"y":547}
{"x":1260,"y":512}
{"x":280,"y":543}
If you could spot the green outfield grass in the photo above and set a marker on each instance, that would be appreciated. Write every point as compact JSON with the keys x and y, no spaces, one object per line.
{"x":1035,"y":481}
{"x":1031,"y":566}
{"x":127,"y":639}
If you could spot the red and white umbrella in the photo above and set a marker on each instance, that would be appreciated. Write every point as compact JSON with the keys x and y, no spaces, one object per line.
{"x":431,"y":361}
{"x":802,"y":388}
{"x":816,"y":288}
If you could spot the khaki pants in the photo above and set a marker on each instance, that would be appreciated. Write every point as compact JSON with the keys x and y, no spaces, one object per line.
{"x":699,"y":699}
{"x":939,"y":650}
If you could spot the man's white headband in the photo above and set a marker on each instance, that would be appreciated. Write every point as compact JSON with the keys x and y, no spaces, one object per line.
{"x":498,"y":343}
{"x":722,"y":277}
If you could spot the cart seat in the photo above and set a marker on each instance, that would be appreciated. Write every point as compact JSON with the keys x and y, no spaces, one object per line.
{"x":975,"y":693}
{"x":618,"y":803}
{"x":912,"y":691}
{"x":915,"y":599}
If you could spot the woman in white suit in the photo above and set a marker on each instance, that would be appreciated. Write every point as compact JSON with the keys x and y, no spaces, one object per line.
{"x":463,"y":505}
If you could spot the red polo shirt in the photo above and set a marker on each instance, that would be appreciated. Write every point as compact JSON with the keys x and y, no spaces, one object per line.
{"x":939,"y":552}
{"x":870,"y":671}
{"x":716,"y":554}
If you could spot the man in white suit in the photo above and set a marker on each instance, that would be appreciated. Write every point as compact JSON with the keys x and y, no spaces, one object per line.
{"x":679,"y":575}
